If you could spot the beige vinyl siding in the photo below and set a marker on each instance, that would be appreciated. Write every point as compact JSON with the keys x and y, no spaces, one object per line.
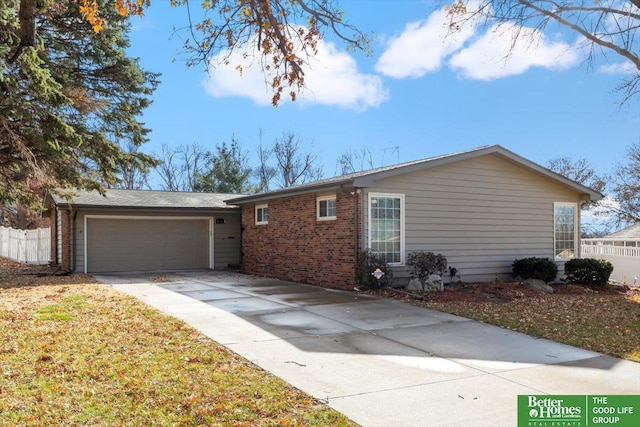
{"x":481,"y":213}
{"x":227,"y":240}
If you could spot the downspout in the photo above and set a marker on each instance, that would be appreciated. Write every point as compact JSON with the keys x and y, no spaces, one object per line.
{"x":355,"y":233}
{"x":362,"y":225}
{"x":73,"y":242}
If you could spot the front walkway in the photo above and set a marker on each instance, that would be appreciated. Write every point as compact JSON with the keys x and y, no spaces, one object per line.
{"x":378,"y":361}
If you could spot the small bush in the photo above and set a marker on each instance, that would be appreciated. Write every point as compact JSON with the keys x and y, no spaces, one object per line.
{"x":424,"y":264}
{"x":368,"y":262}
{"x":535,"y":268}
{"x":588,"y":271}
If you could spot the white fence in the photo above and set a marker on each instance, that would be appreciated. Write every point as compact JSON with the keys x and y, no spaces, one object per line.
{"x":624,"y":255}
{"x":26,"y":246}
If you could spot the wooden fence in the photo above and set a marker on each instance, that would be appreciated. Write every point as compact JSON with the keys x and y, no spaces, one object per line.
{"x":26,"y":246}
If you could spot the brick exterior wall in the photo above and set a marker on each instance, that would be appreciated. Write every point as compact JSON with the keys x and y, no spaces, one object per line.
{"x":65,"y":236}
{"x":295,"y":246}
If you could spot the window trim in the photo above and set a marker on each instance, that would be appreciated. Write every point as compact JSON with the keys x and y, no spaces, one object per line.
{"x":326,"y":198}
{"x":400,"y":196}
{"x":576,"y":230}
{"x":260,"y":207}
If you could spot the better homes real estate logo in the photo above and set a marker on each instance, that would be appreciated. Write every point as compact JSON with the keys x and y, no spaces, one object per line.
{"x":553,"y":410}
{"x":578,"y":411}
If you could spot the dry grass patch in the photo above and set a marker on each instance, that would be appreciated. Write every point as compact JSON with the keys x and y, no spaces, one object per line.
{"x":84,"y":354}
{"x":605,"y":320}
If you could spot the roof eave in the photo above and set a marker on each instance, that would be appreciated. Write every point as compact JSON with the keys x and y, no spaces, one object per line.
{"x":592,"y":194}
{"x":292,"y":191}
{"x":146,"y":208}
{"x":369,"y":180}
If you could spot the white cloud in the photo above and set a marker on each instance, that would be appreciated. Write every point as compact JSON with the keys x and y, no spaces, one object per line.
{"x":501,"y":51}
{"x":625,"y":68}
{"x":599,"y":218}
{"x":331,"y":78}
{"x":422,"y":47}
{"x":506,"y":51}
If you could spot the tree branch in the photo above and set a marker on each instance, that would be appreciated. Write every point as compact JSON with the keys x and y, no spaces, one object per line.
{"x":594,"y":39}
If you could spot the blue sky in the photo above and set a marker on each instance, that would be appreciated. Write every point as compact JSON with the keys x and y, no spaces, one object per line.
{"x":418,"y":95}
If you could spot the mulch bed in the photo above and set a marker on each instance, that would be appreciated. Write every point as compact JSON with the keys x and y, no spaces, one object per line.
{"x":502,"y":292}
{"x":15,"y":275}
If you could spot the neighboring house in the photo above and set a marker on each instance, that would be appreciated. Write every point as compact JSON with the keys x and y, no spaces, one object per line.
{"x":136,"y":230}
{"x":481,"y":208}
{"x":621,"y":249}
{"x":629,"y":236}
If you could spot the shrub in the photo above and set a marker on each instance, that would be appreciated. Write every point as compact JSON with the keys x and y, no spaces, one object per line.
{"x":588,"y":271}
{"x":424,"y":264}
{"x":535,"y":268}
{"x":368,"y":262}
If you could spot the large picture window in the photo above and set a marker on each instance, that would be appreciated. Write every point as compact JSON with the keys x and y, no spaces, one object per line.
{"x":386,"y":226}
{"x":565,"y":230}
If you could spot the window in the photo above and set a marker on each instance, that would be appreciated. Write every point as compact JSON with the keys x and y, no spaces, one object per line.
{"x":326,"y":208}
{"x":262,"y":214}
{"x":386,"y":226}
{"x":565,"y":233}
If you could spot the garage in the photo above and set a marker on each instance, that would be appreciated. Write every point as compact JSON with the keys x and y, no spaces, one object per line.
{"x":145,"y":244}
{"x":144,"y":230}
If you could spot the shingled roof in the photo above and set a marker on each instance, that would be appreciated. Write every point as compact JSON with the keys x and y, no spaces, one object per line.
{"x":632,"y":232}
{"x":367,"y":178}
{"x":131,"y":199}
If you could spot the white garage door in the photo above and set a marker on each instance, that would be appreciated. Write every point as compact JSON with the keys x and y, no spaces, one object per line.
{"x":143,"y":244}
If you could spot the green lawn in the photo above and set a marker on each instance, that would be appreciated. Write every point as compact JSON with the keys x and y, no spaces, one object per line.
{"x":83,"y":354}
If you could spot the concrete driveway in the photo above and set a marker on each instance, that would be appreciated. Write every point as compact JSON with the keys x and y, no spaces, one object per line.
{"x":378,"y":361}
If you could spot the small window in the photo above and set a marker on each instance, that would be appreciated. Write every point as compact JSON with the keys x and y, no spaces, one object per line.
{"x":262,"y":214}
{"x":326,"y":208}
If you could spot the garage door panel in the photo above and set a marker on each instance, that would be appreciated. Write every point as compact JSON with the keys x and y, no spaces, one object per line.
{"x":125,"y":244}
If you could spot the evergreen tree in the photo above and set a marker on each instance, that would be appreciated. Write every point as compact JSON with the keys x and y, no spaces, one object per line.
{"x":229,"y":172}
{"x":68,"y":94}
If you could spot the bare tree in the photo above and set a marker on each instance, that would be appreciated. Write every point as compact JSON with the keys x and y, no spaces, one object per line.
{"x":181,"y":166}
{"x":605,"y":26}
{"x":264,"y":173}
{"x":354,"y":161}
{"x":622,"y":206}
{"x":579,"y":171}
{"x":21,"y":217}
{"x":626,"y":188}
{"x":134,"y":175}
{"x":598,"y":213}
{"x":293,"y":165}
